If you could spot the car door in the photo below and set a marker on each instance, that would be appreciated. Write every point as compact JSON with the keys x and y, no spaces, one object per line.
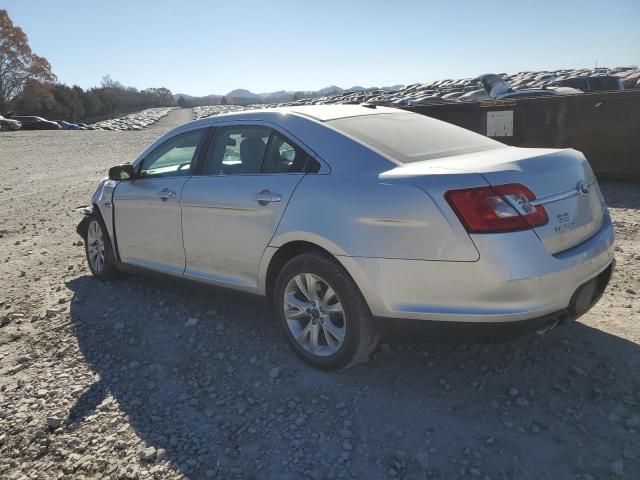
{"x":147,"y":208}
{"x":231,"y":211}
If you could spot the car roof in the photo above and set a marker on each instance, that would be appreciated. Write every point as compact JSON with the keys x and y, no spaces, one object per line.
{"x":319,"y":113}
{"x":306,"y":125}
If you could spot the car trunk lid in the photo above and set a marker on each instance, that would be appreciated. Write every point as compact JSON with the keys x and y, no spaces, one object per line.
{"x":564,"y":185}
{"x":561,"y":180}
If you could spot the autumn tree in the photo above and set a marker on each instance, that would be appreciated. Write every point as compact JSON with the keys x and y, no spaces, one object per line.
{"x":18,"y":64}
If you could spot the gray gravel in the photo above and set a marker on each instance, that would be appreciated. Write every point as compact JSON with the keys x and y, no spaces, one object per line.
{"x":151,"y":378}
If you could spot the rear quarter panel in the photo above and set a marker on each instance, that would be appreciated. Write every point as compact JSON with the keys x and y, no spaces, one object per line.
{"x":361,"y":216}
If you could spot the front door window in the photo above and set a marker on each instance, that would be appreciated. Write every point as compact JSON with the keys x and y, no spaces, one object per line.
{"x":175,"y":157}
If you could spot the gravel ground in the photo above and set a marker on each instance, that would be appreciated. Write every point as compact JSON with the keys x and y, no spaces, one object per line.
{"x":150,"y":378}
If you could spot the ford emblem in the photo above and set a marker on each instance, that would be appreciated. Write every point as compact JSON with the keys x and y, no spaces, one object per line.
{"x":583,"y":188}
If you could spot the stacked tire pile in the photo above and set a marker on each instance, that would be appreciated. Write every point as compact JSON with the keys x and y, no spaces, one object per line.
{"x":134,"y":121}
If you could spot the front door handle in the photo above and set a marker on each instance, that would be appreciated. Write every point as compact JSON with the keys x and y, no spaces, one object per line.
{"x":165,"y":193}
{"x":265,"y":197}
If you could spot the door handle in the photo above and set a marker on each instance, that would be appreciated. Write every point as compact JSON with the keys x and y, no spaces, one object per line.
{"x":265,"y":197}
{"x":165,"y":193}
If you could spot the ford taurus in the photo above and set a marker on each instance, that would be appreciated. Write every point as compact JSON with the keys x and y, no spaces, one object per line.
{"x":347,"y":217}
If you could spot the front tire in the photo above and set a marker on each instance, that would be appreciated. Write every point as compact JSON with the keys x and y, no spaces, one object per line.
{"x":98,"y":251}
{"x":324,"y":316}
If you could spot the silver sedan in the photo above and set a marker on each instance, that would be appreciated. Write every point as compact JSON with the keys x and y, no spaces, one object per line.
{"x":352,"y":218}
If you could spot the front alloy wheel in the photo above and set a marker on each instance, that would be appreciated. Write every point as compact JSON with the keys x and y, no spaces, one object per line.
{"x":98,"y":250}
{"x":95,"y":246}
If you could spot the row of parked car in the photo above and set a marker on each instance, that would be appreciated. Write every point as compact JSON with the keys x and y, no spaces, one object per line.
{"x":32,"y":122}
{"x":132,"y":121}
{"x":488,"y":87}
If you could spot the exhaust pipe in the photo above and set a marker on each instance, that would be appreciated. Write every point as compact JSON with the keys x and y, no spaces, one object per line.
{"x":552,"y":324}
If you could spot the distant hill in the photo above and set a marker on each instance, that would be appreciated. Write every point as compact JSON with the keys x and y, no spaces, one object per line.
{"x":241,"y":96}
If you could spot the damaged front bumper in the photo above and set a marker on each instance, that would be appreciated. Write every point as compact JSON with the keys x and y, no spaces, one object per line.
{"x":82,"y":227}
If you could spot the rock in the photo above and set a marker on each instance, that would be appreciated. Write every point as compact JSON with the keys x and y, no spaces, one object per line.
{"x":74,"y":443}
{"x":423,"y":460}
{"x":23,"y":359}
{"x":191,"y":322}
{"x":633,"y":422}
{"x":522,"y":402}
{"x":275,"y":372}
{"x":514,"y":392}
{"x":121,"y":445}
{"x":53,"y":422}
{"x":148,"y":454}
{"x":617,"y":468}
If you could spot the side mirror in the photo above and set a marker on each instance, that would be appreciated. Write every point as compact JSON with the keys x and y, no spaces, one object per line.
{"x":121,"y":172}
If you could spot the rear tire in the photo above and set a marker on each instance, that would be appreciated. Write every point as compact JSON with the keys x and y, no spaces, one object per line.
{"x":97,"y":247}
{"x":325,"y":318}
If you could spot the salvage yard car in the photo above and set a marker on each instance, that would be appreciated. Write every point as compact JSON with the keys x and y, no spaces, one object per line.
{"x":9,"y":124}
{"x":30,"y":122}
{"x":347,"y":217}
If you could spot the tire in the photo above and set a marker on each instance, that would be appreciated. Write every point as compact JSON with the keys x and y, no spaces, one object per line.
{"x":337,"y":331}
{"x":96,"y":245}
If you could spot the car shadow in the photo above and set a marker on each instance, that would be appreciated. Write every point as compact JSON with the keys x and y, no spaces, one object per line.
{"x":205,"y":391}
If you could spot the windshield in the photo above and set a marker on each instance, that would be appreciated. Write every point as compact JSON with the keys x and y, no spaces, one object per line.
{"x":408,"y":137}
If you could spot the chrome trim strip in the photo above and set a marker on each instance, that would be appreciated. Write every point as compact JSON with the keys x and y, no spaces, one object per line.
{"x":554,"y":198}
{"x":559,"y":196}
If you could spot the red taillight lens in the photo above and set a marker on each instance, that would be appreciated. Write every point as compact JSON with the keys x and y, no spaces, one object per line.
{"x":501,"y":208}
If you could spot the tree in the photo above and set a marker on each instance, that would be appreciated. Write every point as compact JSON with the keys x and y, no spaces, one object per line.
{"x":182,"y":103}
{"x":18,"y":64}
{"x":224,"y":101}
{"x":35,"y":99}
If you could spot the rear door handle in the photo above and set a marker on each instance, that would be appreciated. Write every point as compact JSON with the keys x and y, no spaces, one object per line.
{"x":265,"y":197}
{"x":165,"y":194}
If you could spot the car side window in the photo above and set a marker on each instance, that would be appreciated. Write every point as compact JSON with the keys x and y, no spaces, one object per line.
{"x":175,"y":157}
{"x":238,"y":150}
{"x":286,"y":157}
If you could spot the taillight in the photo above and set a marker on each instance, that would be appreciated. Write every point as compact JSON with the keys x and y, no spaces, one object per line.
{"x":500,"y":208}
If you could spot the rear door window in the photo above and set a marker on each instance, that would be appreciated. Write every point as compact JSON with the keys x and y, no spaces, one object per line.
{"x":285,"y":156}
{"x":238,"y":150}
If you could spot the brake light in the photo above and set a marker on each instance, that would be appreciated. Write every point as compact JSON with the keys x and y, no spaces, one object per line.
{"x":495,"y":209}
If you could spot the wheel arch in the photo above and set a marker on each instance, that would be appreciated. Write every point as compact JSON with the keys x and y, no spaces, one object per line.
{"x":281,"y":255}
{"x":109,"y":229}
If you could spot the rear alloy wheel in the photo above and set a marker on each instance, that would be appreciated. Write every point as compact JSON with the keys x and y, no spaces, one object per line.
{"x":315,"y":316}
{"x":98,"y":250}
{"x":324,"y":316}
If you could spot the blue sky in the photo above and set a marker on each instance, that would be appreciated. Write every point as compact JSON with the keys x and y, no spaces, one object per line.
{"x":203,"y":47}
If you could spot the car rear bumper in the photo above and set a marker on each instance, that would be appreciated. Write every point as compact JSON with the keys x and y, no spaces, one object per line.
{"x":583,"y":299}
{"x":515,"y":279}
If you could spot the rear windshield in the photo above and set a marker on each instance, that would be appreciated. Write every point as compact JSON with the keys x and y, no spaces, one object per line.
{"x":408,"y":137}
